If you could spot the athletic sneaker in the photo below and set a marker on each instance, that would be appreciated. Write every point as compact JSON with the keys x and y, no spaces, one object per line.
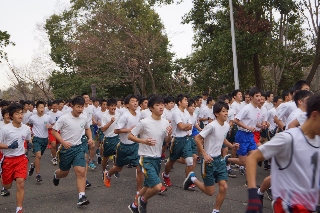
{"x":269,"y":194}
{"x":91,"y":165}
{"x":142,"y":206}
{"x":242,"y":171}
{"x":20,"y":211}
{"x":88,"y":184}
{"x":54,"y":161}
{"x":166,"y":180}
{"x":106,"y":180}
{"x":198,"y":160}
{"x":5,"y":192}
{"x":117,"y":175}
{"x":38,"y":178}
{"x":133,"y":210}
{"x":231,"y":173}
{"x":31,"y":170}
{"x":55,"y":180}
{"x":83,"y":201}
{"x":261,"y":198}
{"x":187,"y":182}
{"x":99,"y":160}
{"x":192,"y":186}
{"x":163,"y":189}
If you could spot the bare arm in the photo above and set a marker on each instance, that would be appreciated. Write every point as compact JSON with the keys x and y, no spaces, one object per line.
{"x":251,"y":166}
{"x":184,"y":127}
{"x":293,"y":124}
{"x":239,"y":123}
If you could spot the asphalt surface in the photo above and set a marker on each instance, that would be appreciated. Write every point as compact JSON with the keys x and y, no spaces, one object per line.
{"x":44,"y":197}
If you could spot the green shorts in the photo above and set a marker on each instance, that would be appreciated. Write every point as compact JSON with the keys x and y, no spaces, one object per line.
{"x":127,"y":153}
{"x":74,"y":156}
{"x":180,"y":147}
{"x":85,"y":145}
{"x":214,"y":171}
{"x":151,"y":170}
{"x":110,"y":145}
{"x":100,"y":135}
{"x":264,"y":133}
{"x":39,"y":144}
{"x":193,"y":145}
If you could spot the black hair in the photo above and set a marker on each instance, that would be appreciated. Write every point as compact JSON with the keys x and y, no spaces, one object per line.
{"x":13,"y":108}
{"x":4,"y":103}
{"x":235,"y":92}
{"x":190,"y":102}
{"x":95,"y":100}
{"x":78,"y":100}
{"x":61,"y":101}
{"x":205,"y":94}
{"x":284,"y":94}
{"x":180,"y":97}
{"x":84,"y":94}
{"x":103,"y":100}
{"x":49,"y":103}
{"x":128,"y":97}
{"x":247,"y":92}
{"x":169,"y":99}
{"x":301,"y":94}
{"x":111,"y":101}
{"x":299,"y":84}
{"x":40,"y":102}
{"x":264,"y":94}
{"x":224,"y":97}
{"x":142,"y":100}
{"x":209,"y":99}
{"x":313,"y":104}
{"x":4,"y":111}
{"x":292,"y":90}
{"x":155,"y":99}
{"x":268,"y":93}
{"x":253,"y":91}
{"x":55,"y":102}
{"x":219,"y":106}
{"x":276,"y":99}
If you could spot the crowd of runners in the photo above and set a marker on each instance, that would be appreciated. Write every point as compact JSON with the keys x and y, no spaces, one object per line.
{"x":243,"y":129}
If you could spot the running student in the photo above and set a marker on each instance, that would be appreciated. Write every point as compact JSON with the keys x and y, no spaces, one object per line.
{"x":73,"y":127}
{"x":153,"y":131}
{"x":40,"y":124}
{"x":295,"y":151}
{"x":127,"y":150}
{"x":213,"y":165}
{"x":15,"y":162}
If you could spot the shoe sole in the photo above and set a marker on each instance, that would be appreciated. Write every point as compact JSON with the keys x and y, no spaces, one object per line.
{"x":130,"y":209}
{"x":84,"y":203}
{"x":184,"y":182}
{"x":232,"y":176}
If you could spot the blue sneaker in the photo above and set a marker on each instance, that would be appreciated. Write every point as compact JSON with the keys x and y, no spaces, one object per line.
{"x":91,"y":165}
{"x":187,"y":182}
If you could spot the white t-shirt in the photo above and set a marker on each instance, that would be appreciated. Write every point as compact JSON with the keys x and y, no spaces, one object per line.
{"x":150,"y":128}
{"x":237,"y":107}
{"x":197,"y":111}
{"x":99,"y":115}
{"x":127,"y":121}
{"x":167,"y":114}
{"x":89,"y":110}
{"x":297,"y":114}
{"x":122,"y":110}
{"x":284,"y":110}
{"x":105,"y":120}
{"x":231,"y":115}
{"x":214,"y":135}
{"x":194,"y":120}
{"x":26,"y":116}
{"x":39,"y":127}
{"x":298,"y":183}
{"x":262,"y":116}
{"x":206,"y":112}
{"x":203,"y":103}
{"x":46,"y":110}
{"x":72,"y":128}
{"x":145,"y":113}
{"x":9,"y":134}
{"x":65,"y":111}
{"x":55,"y":115}
{"x":96,"y":109}
{"x":179,"y":117}
{"x":268,"y":105}
{"x":248,"y":115}
{"x":270,"y":118}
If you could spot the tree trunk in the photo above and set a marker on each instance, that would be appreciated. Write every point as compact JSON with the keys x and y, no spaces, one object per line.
{"x":316,"y":61}
{"x":257,"y":73}
{"x":151,"y":78}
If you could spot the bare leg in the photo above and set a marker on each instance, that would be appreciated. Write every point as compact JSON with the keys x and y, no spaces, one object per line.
{"x":221,"y":195}
{"x":37,"y":162}
{"x":20,"y":191}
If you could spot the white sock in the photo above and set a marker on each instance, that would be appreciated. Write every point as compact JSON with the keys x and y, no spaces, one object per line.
{"x":241,"y":167}
{"x":165,"y":175}
{"x":81,"y":194}
{"x":193,"y":179}
{"x":215,"y":211}
{"x":259,"y":192}
{"x":137,"y":192}
{"x":228,"y":167}
{"x":18,"y":209}
{"x":134,"y":206}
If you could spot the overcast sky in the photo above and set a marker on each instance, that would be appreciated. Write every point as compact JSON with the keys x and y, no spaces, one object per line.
{"x":20,"y":17}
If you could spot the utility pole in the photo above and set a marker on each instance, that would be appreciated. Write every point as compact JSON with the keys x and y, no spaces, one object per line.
{"x":234,"y":49}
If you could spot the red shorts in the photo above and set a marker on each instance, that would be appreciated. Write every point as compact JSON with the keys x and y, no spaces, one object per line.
{"x":14,"y":167}
{"x":256,"y":136}
{"x":51,"y":137}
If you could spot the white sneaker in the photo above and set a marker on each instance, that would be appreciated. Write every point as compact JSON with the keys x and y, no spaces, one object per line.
{"x":54,"y":161}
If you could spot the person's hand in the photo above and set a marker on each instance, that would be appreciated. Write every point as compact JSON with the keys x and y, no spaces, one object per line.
{"x":169,"y":130}
{"x":251,"y":129}
{"x":150,"y":142}
{"x":66,"y":144}
{"x":254,"y":202}
{"x":236,"y":146}
{"x":113,"y":119}
{"x":91,"y":142}
{"x":13,"y":145}
{"x":207,"y":158}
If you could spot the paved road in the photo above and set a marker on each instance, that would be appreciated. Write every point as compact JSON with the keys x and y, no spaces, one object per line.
{"x":44,"y":197}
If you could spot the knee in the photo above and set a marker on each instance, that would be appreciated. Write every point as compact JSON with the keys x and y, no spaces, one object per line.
{"x":209,"y":192}
{"x":158,"y":187}
{"x":20,"y":183}
{"x":38,"y":156}
{"x":189,"y":161}
{"x":223,"y":188}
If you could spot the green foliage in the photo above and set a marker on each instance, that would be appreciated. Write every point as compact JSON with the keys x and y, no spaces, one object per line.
{"x":4,"y":41}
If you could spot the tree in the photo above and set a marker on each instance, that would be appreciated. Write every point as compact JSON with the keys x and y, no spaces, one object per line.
{"x":4,"y":41}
